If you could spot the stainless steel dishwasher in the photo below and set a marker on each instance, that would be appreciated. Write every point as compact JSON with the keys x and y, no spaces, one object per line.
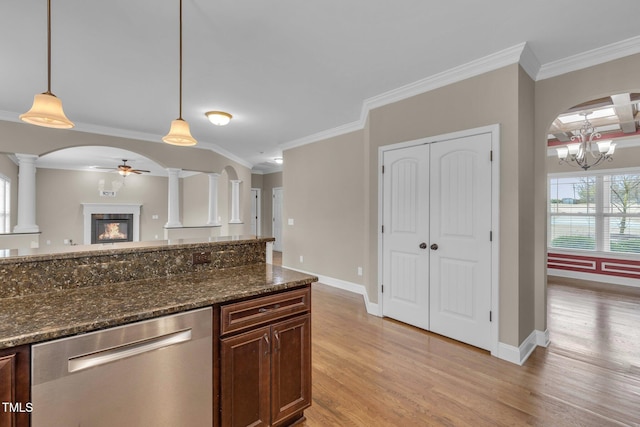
{"x":151,"y":373}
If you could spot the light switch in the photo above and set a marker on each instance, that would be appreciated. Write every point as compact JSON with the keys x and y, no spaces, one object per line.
{"x":290,"y":222}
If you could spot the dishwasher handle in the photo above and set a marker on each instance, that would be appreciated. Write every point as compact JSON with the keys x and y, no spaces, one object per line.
{"x":127,"y":350}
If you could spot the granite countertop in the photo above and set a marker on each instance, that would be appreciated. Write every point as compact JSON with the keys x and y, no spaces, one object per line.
{"x":121,"y":248}
{"x":45,"y":316}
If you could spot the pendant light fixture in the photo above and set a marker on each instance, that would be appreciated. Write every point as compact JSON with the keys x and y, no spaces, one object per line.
{"x":179,"y":133}
{"x":47,"y":108}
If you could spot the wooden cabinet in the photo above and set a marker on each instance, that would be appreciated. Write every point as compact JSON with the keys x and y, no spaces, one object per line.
{"x":266,"y":360}
{"x":15,"y":386}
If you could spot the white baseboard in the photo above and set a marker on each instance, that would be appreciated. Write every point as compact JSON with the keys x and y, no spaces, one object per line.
{"x":615,"y":280}
{"x":372,"y":308}
{"x":519,"y":355}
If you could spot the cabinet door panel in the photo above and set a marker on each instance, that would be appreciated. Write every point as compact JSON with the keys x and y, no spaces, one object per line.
{"x":15,"y":386}
{"x":290,"y":368}
{"x":245,"y":379}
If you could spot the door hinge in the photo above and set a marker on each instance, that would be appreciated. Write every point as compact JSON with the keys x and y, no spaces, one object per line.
{"x":382,"y":168}
{"x":383,"y":228}
{"x":490,"y":316}
{"x":491,"y":156}
{"x":491,"y":236}
{"x":382,"y":288}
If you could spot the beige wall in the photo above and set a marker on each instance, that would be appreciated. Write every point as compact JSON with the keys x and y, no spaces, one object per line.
{"x":325,"y":196}
{"x":480,"y":101}
{"x":270,"y":181}
{"x":267,"y":183}
{"x":195,"y":199}
{"x":526,"y":248}
{"x":552,"y":97}
{"x":60,"y":194}
{"x":322,"y":178}
{"x":21,"y":138}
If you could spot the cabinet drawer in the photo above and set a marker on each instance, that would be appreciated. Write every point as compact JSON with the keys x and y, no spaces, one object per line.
{"x":246,"y":314}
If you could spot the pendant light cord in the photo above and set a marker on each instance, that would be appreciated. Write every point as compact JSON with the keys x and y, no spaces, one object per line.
{"x":49,"y":47}
{"x":180,"y":115}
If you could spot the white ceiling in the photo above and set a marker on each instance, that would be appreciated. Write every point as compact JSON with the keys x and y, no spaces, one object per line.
{"x":285,"y":69}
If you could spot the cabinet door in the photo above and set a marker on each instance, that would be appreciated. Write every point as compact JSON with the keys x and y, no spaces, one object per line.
{"x":15,"y":386}
{"x":244,"y":378}
{"x":290,"y":368}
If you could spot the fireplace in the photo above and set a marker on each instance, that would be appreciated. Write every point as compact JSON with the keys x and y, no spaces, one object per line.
{"x":116,"y":222}
{"x":111,"y":228}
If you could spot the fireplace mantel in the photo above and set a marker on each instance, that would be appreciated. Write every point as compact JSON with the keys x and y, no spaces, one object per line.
{"x":111,"y":208}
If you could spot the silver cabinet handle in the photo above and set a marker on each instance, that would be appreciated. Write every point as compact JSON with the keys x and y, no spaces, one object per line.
{"x":127,"y":350}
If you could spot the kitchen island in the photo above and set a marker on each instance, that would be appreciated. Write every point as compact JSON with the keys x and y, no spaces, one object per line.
{"x":83,"y":289}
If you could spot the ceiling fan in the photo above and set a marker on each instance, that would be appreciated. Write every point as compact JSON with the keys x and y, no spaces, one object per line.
{"x":124,"y":169}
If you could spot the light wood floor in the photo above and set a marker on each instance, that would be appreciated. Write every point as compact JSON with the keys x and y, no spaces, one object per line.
{"x":369,"y":371}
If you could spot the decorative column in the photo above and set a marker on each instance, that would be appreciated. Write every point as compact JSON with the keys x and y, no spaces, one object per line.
{"x":235,"y":202}
{"x":173,"y":215}
{"x":26,"y":194}
{"x":213,"y":199}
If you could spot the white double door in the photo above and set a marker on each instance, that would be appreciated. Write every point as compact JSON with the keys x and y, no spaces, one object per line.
{"x":436,"y":243}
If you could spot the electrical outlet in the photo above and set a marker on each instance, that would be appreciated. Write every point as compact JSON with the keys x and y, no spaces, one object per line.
{"x":201,"y":258}
{"x":359,"y":271}
{"x":301,"y":259}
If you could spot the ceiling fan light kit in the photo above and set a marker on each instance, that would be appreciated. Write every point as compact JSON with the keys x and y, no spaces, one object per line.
{"x":47,"y":108}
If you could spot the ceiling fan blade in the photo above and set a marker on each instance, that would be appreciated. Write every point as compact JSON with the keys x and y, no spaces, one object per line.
{"x":135,"y":171}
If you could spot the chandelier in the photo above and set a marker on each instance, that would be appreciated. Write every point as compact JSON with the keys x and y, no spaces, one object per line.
{"x":588,"y":151}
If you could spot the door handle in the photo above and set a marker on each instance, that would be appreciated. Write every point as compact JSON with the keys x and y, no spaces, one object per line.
{"x":434,"y":247}
{"x":423,"y":245}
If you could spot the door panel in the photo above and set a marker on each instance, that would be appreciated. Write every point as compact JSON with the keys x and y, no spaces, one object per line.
{"x":245,"y":378}
{"x":406,"y":214}
{"x":277,"y":218}
{"x":460,"y":267}
{"x":291,"y":368}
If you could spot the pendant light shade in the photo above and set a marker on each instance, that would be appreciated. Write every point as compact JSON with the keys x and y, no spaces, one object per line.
{"x":47,"y":108}
{"x":47,"y":111}
{"x":179,"y":133}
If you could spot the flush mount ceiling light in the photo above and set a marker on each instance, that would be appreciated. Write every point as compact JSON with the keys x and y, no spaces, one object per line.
{"x":279,"y":160}
{"x":218,"y":118}
{"x":580,"y":153}
{"x":179,"y":133}
{"x":47,"y":108}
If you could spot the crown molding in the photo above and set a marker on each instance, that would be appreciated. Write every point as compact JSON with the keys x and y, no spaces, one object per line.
{"x":266,"y":171}
{"x":474,"y":68}
{"x":9,"y":116}
{"x":453,"y":75}
{"x":529,"y":62}
{"x":590,"y":58}
{"x":325,"y":134}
